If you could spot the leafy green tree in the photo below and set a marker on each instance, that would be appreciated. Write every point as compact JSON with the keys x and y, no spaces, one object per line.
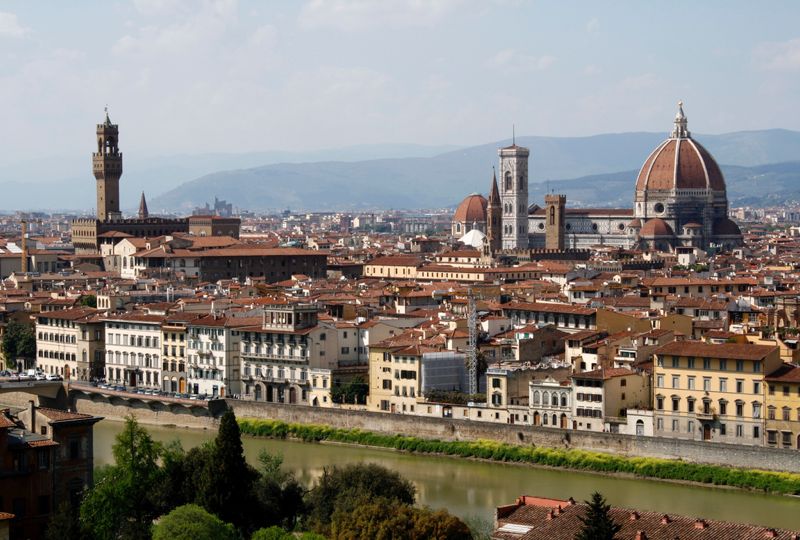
{"x":354,"y":391}
{"x":272,"y":533}
{"x":597,"y":522}
{"x":121,"y":503}
{"x":88,"y":300}
{"x":225,"y":486}
{"x":191,"y":522}
{"x":382,"y":519}
{"x":278,"y":492}
{"x":344,"y":488}
{"x":19,"y":341}
{"x":63,"y":524}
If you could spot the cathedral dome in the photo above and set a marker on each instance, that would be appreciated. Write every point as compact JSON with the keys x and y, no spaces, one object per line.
{"x":656,"y":227}
{"x":472,"y":209}
{"x":680,"y":163}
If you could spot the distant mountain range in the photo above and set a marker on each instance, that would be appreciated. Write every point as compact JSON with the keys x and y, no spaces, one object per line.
{"x":760,"y":166}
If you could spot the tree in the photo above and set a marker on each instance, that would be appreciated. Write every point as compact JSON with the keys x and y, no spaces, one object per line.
{"x":63,"y":524}
{"x":354,"y":391}
{"x":382,"y":519}
{"x":226,"y":484}
{"x":597,"y":522}
{"x":190,"y":522}
{"x":279,"y":494}
{"x":121,"y":504}
{"x":19,"y":341}
{"x":88,"y":300}
{"x":272,"y":533}
{"x":344,"y":488}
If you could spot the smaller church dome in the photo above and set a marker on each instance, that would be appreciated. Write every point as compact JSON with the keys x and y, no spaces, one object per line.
{"x":472,"y":209}
{"x":656,"y":227}
{"x":726,"y":227}
{"x":635,"y":223}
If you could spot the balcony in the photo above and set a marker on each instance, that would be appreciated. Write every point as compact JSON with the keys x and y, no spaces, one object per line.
{"x":273,"y":356}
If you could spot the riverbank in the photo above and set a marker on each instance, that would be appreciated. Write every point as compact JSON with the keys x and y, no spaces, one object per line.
{"x":577,"y":460}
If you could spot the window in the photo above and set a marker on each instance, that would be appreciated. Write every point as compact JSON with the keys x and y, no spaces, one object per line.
{"x":723,"y":407}
{"x":756,"y":432}
{"x":722,"y":429}
{"x":786,"y":439}
{"x":757,"y":366}
{"x":723,"y":385}
{"x":723,"y":365}
{"x":690,"y":426}
{"x":739,"y":408}
{"x":756,"y":387}
{"x":707,"y":384}
{"x":706,"y":363}
{"x":690,"y":405}
{"x":674,"y":425}
{"x":676,"y":401}
{"x":771,"y":413}
{"x":676,"y":381}
{"x":495,"y":383}
{"x":785,"y":390}
{"x":660,"y":424}
{"x":659,"y":381}
{"x":660,"y":403}
{"x":740,"y":365}
{"x":690,"y":362}
{"x":756,"y":410}
{"x":739,"y":386}
{"x":786,"y":414}
{"x":690,"y":382}
{"x":739,"y":430}
{"x":676,"y":361}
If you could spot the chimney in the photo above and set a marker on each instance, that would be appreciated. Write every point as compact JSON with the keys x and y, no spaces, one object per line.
{"x":665,"y":520}
{"x":641,"y":535}
{"x":549,"y":515}
{"x":634,"y":516}
{"x":700,"y":524}
{"x":770,"y":533}
{"x":571,"y":501}
{"x":32,"y":410}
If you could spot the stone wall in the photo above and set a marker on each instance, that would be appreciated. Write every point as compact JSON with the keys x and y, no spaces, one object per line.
{"x":463,"y":430}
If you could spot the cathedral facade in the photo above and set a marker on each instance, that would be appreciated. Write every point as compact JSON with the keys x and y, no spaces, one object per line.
{"x":680,"y":199}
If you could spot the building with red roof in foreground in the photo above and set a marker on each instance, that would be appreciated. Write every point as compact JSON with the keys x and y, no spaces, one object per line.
{"x":534,"y":518}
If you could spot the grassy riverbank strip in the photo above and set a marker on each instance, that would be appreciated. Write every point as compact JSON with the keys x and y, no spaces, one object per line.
{"x":662,"y":469}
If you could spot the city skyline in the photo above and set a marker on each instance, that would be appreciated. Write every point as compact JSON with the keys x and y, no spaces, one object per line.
{"x":224,"y":76}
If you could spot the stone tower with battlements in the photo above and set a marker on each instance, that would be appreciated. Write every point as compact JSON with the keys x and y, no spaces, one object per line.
{"x":514,"y":196}
{"x":554,"y":221}
{"x":107,"y":168}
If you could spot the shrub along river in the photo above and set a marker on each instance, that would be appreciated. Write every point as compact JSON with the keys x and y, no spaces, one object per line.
{"x":472,"y":489}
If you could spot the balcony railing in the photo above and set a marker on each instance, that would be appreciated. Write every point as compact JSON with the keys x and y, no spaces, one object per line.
{"x":273,"y":356}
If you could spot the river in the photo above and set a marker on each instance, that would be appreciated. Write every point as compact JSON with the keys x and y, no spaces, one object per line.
{"x":474,"y":488}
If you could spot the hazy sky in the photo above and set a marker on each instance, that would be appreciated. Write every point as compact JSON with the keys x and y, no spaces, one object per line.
{"x":203,"y":76}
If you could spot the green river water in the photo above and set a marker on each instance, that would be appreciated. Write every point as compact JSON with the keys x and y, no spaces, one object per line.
{"x":474,"y":488}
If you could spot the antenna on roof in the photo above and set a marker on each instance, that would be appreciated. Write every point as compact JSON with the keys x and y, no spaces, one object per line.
{"x":513,"y":135}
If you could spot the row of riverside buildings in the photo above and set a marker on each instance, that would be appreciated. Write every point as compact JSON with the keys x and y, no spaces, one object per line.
{"x":546,"y":364}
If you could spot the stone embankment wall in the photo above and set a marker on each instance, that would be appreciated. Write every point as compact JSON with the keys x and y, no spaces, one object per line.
{"x":775,"y":459}
{"x":463,"y":430}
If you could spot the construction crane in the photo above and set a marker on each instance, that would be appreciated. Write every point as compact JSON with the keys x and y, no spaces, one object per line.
{"x":472,"y":343}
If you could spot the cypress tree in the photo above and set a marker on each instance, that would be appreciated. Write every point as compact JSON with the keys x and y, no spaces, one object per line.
{"x":597,"y":522}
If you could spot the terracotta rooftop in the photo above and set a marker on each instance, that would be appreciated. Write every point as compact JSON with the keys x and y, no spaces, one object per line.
{"x":536,"y":518}
{"x":735,"y":351}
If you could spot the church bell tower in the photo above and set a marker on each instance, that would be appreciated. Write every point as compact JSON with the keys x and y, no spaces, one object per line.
{"x":514,"y":196}
{"x":107,"y":168}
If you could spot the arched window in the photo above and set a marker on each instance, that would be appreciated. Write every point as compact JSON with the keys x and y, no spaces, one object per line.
{"x":545,"y":398}
{"x":536,"y":397}
{"x":508,"y":181}
{"x":554,"y":402}
{"x":552,"y":215}
{"x":563,"y":400}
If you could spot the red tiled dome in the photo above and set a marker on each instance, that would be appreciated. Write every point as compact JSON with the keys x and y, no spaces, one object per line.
{"x":656,"y":227}
{"x":726,"y":227}
{"x":694,"y":168}
{"x":680,"y":163}
{"x":471,"y":209}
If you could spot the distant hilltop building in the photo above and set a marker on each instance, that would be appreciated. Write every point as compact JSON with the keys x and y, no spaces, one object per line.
{"x":221,"y":208}
{"x":680,"y":199}
{"x":109,"y":226}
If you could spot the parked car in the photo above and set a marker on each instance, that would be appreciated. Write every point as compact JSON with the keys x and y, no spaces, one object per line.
{"x":53,"y":377}
{"x":40,"y":377}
